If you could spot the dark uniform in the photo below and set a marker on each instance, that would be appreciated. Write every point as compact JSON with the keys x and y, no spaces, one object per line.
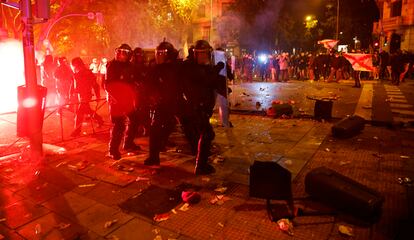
{"x":84,"y":83}
{"x":200,"y":81}
{"x":120,"y":85}
{"x":64,"y":80}
{"x":164,"y":91}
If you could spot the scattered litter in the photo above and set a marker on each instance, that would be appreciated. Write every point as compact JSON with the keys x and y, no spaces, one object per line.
{"x":190,"y":197}
{"x":113,"y":237}
{"x":161,"y":217}
{"x":62,"y":226}
{"x":3,"y":219}
{"x":378,"y":155}
{"x":158,"y":237}
{"x":286,"y":226}
{"x":359,"y":140}
{"x":38,"y":229}
{"x":243,"y":93}
{"x":405,"y":181}
{"x":221,"y":224}
{"x":174,"y":211}
{"x":344,"y":162}
{"x":109,"y":224}
{"x":60,"y":164}
{"x":404,"y":157}
{"x":375,"y":137}
{"x":288,"y":162}
{"x":218,"y":159}
{"x":142,"y":179}
{"x":367,"y":107}
{"x":37,"y":173}
{"x":9,"y":170}
{"x":184,"y":207}
{"x":121,"y":167}
{"x":220,"y":189}
{"x":348,"y":231}
{"x":205,"y":179}
{"x":219,"y":199}
{"x":87,"y":185}
{"x":327,"y":150}
{"x":262,"y":89}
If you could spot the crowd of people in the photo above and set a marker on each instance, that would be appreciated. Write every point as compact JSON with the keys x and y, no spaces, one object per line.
{"x":153,"y":96}
{"x":330,"y":67}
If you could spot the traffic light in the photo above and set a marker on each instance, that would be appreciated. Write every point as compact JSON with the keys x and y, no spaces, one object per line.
{"x":42,"y":9}
{"x":99,"y":18}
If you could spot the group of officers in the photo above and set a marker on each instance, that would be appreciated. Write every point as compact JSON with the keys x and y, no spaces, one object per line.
{"x":168,"y":90}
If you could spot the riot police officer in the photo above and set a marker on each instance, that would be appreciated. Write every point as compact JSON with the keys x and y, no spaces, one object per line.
{"x":122,"y":97}
{"x":200,"y":81}
{"x":164,"y":91}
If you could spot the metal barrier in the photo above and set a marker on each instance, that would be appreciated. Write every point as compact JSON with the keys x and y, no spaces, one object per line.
{"x":52,"y":110}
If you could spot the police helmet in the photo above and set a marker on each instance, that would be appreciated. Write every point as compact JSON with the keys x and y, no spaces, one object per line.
{"x":168,"y":49}
{"x":202,"y":52}
{"x":123,"y":49}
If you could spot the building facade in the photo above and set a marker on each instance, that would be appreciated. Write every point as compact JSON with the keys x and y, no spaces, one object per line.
{"x":395,"y":29}
{"x":214,"y":22}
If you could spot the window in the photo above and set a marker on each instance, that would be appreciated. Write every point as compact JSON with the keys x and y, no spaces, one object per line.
{"x":396,"y":8}
{"x":201,"y":11}
{"x":225,"y":9}
{"x":205,"y":33}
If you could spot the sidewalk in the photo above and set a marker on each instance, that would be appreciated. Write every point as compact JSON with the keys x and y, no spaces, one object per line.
{"x":82,"y":195}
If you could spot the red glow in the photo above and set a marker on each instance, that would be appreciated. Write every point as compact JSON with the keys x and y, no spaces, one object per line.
{"x":29,"y":102}
{"x":11,"y":74}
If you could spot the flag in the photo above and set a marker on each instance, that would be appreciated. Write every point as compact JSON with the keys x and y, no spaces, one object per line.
{"x":360,"y":61}
{"x":328,"y":43}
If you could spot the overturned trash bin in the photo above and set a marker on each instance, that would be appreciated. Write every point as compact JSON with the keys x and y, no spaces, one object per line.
{"x":348,"y":127}
{"x":323,"y":108}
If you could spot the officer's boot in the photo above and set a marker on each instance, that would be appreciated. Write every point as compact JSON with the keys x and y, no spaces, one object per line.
{"x":129,"y":144}
{"x":116,"y":138}
{"x":202,"y":166}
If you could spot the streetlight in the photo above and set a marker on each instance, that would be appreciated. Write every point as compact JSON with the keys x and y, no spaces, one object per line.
{"x":337,"y":20}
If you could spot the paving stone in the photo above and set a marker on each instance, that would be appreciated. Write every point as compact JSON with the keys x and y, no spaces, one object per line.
{"x":20,"y":213}
{"x":107,"y":194}
{"x":40,"y":191}
{"x":95,"y":217}
{"x":143,"y":229}
{"x":8,"y":234}
{"x":52,"y":226}
{"x":69,"y":204}
{"x":8,"y":197}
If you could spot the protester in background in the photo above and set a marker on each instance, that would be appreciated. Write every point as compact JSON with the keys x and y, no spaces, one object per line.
{"x":64,"y":80}
{"x":84,"y":84}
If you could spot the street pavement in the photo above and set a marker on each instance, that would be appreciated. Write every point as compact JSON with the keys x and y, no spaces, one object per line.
{"x":78,"y":193}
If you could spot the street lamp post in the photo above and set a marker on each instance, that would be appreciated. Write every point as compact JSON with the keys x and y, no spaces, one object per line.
{"x":337,"y":20}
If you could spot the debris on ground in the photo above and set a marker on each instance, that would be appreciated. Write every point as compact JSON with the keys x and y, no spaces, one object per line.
{"x":327,"y":150}
{"x":205,"y":179}
{"x":109,"y":224}
{"x":221,"y":189}
{"x":61,"y":163}
{"x":219,"y":199}
{"x":345,"y":230}
{"x":79,"y":166}
{"x":142,"y":179}
{"x":113,"y":237}
{"x":288,"y":162}
{"x":285,"y":226}
{"x":375,"y":137}
{"x":405,"y":181}
{"x":404,"y":157}
{"x":184,"y":207}
{"x":378,"y":155}
{"x":190,"y":197}
{"x":344,"y":162}
{"x":218,"y":159}
{"x":367,"y":107}
{"x":38,"y":229}
{"x":162,"y":217}
{"x":220,"y":224}
{"x":87,"y":185}
{"x":123,"y":168}
{"x":3,"y":219}
{"x":62,"y":226}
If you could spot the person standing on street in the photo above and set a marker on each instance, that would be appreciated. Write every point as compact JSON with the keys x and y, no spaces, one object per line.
{"x":84,"y":83}
{"x":165,"y":94}
{"x":122,"y":98}
{"x":200,"y":81}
